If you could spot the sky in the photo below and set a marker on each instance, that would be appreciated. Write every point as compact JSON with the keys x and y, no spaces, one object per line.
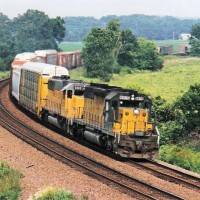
{"x":99,"y":8}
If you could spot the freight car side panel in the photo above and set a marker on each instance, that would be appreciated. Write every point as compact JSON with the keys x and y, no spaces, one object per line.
{"x":15,"y":74}
{"x":51,"y":59}
{"x":29,"y":90}
{"x":33,"y":91}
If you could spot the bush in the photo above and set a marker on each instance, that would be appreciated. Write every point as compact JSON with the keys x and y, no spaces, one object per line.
{"x":116,"y":69}
{"x":9,"y":182}
{"x":126,"y":70}
{"x":148,"y":58}
{"x":171,"y":132}
{"x":189,"y":104}
{"x":181,"y":157}
{"x":54,"y":194}
{"x":4,"y":75}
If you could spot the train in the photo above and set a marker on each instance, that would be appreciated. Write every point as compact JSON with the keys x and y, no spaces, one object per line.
{"x":114,"y":118}
{"x":69,"y":59}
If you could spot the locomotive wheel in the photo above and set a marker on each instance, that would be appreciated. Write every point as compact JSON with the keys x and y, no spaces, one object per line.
{"x":109,"y":145}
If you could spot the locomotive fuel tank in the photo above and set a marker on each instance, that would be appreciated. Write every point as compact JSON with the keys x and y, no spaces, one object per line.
{"x":54,"y":121}
{"x":95,"y":138}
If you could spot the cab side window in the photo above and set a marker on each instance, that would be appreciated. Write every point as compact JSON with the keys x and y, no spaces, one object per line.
{"x":69,"y":94}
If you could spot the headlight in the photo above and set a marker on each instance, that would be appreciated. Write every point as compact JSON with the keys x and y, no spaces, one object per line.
{"x":136,"y":112}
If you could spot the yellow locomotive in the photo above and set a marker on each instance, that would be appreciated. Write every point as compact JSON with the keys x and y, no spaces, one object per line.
{"x":114,"y":118}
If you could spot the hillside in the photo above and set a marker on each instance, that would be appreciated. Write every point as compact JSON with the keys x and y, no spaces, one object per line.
{"x":169,"y":83}
{"x":149,"y":27}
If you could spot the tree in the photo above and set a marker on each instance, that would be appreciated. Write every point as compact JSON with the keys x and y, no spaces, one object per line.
{"x":195,"y":31}
{"x":101,"y":49}
{"x":190,"y":106}
{"x":6,"y":42}
{"x":148,"y":57}
{"x":58,"y":28}
{"x":114,"y":30}
{"x":104,"y":47}
{"x":195,"y":46}
{"x":195,"y":40}
{"x":128,"y":52}
{"x":35,"y":30}
{"x":97,"y":54}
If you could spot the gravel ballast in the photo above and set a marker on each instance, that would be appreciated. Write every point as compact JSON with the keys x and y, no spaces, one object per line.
{"x":41,"y":171}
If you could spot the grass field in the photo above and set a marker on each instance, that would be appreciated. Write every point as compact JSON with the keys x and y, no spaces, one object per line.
{"x":4,"y":75}
{"x":169,"y":83}
{"x":71,"y":46}
{"x":174,"y":43}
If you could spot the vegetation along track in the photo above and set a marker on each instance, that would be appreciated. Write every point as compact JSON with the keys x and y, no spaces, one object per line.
{"x":123,"y":182}
{"x":167,"y":173}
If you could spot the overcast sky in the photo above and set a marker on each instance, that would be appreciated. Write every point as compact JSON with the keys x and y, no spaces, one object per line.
{"x":99,"y":8}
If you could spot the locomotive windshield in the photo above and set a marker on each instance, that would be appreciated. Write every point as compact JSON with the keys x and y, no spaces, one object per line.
{"x":132,"y":104}
{"x":131,"y":101}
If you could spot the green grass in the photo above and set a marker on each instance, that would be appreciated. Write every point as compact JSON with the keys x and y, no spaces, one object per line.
{"x":55,"y":194}
{"x":9,"y":182}
{"x":70,"y":46}
{"x":4,"y":75}
{"x":174,"y":43}
{"x":169,"y":83}
{"x":181,"y":156}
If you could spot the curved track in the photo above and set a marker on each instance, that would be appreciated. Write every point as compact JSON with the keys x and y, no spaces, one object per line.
{"x":168,"y":174}
{"x":123,"y":182}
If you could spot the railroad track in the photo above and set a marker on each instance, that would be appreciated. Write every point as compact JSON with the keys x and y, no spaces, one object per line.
{"x":168,"y":174}
{"x":107,"y":175}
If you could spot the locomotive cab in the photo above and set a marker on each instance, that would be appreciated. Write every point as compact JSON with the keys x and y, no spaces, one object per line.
{"x":119,"y":120}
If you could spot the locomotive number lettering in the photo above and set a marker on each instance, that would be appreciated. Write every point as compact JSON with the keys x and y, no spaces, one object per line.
{"x":79,"y":88}
{"x":139,"y":98}
{"x":125,"y":98}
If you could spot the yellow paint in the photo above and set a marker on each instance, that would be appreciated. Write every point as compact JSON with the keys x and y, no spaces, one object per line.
{"x":94,"y":109}
{"x":59,"y":103}
{"x":42,"y":92}
{"x":129,"y":123}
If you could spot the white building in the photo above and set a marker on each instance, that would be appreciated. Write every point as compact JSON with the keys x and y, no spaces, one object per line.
{"x":184,"y":36}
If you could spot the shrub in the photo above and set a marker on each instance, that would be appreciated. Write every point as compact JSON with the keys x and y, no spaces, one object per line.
{"x":9,"y":182}
{"x":189,"y":104}
{"x":4,"y":75}
{"x":54,"y":194}
{"x":171,"y":132}
{"x":180,"y":156}
{"x":116,"y":69}
{"x":126,"y":70}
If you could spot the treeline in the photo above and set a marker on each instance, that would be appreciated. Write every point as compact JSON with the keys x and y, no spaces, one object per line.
{"x":109,"y":50}
{"x":149,"y":27}
{"x":28,"y":32}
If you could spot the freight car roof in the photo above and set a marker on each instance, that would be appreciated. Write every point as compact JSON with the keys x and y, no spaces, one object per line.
{"x":46,"y":69}
{"x":26,"y":56}
{"x":45,"y":52}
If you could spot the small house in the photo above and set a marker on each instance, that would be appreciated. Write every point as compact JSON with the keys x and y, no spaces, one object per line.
{"x":184,"y":36}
